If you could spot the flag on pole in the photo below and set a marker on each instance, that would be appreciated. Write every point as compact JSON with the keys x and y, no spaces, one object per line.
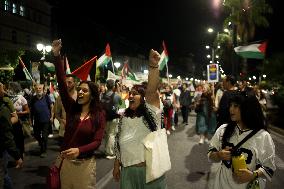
{"x":105,"y":58}
{"x":68,"y":71}
{"x":51,"y":88}
{"x":164,"y":57}
{"x":25,"y":70}
{"x":50,"y":66}
{"x":83,"y":71}
{"x":256,"y":50}
{"x":126,"y":73}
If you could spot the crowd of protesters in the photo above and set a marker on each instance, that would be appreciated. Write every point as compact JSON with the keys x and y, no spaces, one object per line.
{"x":28,"y":112}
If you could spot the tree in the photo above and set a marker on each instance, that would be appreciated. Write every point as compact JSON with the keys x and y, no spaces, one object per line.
{"x":8,"y":58}
{"x":246,"y":15}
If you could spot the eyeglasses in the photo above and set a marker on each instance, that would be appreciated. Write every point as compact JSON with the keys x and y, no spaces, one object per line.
{"x":84,"y":90}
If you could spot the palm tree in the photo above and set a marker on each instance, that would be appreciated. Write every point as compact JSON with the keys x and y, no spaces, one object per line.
{"x":246,"y":15}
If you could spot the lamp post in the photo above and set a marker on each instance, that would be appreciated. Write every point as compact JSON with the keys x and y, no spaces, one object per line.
{"x":44,"y":49}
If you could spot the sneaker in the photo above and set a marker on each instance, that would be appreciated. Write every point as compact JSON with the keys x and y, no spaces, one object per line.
{"x":173,"y":128}
{"x":43,"y":155}
{"x":110,"y":157}
{"x":168,"y":132}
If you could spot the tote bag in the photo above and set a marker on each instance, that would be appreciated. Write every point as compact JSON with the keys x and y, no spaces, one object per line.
{"x":156,"y":154}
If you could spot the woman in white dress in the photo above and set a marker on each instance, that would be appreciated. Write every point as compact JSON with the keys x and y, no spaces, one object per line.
{"x":259,"y":150}
{"x":141,"y":117}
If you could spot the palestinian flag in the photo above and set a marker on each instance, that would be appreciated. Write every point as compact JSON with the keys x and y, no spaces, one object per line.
{"x":105,"y":58}
{"x":50,"y":66}
{"x":68,"y":71}
{"x":126,"y":73}
{"x":25,"y":70}
{"x":83,"y":71}
{"x":256,"y":50}
{"x":164,"y":57}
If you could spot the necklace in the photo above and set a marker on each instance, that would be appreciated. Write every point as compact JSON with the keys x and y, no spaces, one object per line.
{"x":241,"y":131}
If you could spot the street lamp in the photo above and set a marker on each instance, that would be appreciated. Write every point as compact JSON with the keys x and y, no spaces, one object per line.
{"x":117,"y":64}
{"x":44,"y":48}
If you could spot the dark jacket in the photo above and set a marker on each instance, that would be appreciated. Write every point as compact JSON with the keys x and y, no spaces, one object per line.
{"x":7,"y":142}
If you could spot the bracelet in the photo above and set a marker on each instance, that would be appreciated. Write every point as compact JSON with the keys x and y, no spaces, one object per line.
{"x":255,"y":174}
{"x":153,"y":66}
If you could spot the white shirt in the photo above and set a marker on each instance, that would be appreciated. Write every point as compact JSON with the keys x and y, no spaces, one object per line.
{"x":259,"y":150}
{"x":130,"y":137}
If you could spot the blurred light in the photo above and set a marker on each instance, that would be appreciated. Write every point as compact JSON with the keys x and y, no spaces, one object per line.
{"x":39,"y":46}
{"x":191,"y":79}
{"x":211,"y":61}
{"x":217,"y":56}
{"x":146,"y":71}
{"x":48,"y":48}
{"x":218,"y":46}
{"x":226,"y":30}
{"x":249,"y":78}
{"x":117,"y":65}
{"x":186,"y":78}
{"x":210,"y":30}
{"x":264,"y":76}
{"x":170,"y":76}
{"x":178,"y":77}
{"x":254,"y":77}
{"x":207,"y":46}
{"x":208,"y":56}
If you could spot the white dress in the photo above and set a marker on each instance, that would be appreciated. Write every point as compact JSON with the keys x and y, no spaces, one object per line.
{"x":259,"y":151}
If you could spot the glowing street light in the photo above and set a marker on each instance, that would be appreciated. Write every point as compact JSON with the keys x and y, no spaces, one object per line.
{"x":117,"y":64}
{"x":44,"y":48}
{"x":264,"y":76}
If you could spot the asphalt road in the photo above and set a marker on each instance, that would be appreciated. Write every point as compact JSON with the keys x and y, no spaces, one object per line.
{"x":190,"y":166}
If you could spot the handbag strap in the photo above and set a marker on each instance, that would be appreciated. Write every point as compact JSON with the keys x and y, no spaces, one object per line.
{"x":73,"y":137}
{"x":244,"y":140}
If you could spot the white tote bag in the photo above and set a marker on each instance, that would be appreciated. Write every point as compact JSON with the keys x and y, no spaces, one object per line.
{"x":156,"y":154}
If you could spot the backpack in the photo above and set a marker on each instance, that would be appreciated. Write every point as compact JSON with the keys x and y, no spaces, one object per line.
{"x":109,"y":107}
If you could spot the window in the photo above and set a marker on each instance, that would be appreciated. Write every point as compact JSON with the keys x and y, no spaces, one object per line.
{"x":6,"y":5}
{"x":28,"y":40}
{"x":14,"y":8}
{"x":22,"y":10}
{"x":14,"y":36}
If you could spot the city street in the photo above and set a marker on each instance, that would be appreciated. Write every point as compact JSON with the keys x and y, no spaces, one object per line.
{"x":190,"y":166}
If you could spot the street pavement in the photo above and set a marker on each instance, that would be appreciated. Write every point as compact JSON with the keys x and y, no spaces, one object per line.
{"x":190,"y":165}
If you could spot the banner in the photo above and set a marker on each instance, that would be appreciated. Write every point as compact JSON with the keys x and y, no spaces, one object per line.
{"x":213,"y":73}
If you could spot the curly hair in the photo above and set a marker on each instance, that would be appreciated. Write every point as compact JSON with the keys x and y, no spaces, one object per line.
{"x":142,"y":110}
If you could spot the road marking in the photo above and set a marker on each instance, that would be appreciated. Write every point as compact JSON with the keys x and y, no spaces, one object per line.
{"x":105,"y":180}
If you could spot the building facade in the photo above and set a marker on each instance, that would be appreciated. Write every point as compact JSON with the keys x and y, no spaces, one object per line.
{"x":24,"y":23}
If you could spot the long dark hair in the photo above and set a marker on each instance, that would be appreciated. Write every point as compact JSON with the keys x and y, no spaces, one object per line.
{"x":95,"y":106}
{"x":251,"y":113}
{"x":142,"y":110}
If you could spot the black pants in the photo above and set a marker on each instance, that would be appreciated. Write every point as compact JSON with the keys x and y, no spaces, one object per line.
{"x":19,"y":137}
{"x":41,"y":132}
{"x":184,"y":112}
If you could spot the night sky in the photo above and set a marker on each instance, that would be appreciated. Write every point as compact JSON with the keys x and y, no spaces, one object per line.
{"x":141,"y":25}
